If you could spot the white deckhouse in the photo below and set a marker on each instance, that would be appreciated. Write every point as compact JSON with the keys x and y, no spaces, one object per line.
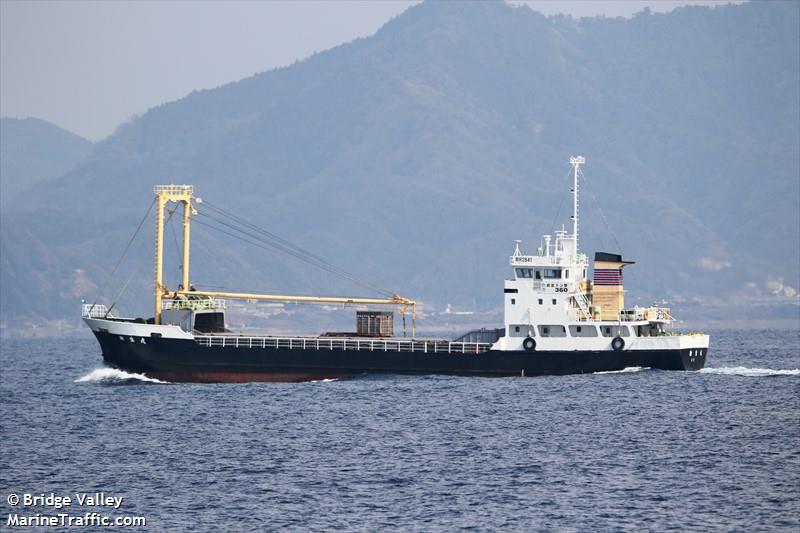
{"x":551,"y":304}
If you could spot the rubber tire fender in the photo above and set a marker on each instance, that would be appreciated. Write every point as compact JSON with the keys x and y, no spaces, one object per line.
{"x":618,"y":344}
{"x":529,"y":344}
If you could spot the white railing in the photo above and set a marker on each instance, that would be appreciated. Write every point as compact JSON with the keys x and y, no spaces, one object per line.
{"x":328,"y":343}
{"x":202,"y":303}
{"x":578,"y":260}
{"x":174,"y":189}
{"x":94,"y":311}
{"x":655,"y":314}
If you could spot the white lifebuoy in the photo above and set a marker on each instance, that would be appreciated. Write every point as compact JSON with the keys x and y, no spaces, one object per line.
{"x":529,"y":344}
{"x":618,"y":344}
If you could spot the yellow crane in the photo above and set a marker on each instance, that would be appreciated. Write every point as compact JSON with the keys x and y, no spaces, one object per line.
{"x":184,"y":194}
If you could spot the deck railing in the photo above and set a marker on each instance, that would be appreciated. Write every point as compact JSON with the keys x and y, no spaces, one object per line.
{"x":94,"y":311}
{"x":656,"y":314}
{"x":324,"y":343}
{"x":174,"y":189}
{"x":193,"y":304}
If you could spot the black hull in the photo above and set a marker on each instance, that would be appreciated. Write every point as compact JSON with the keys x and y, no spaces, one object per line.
{"x":181,"y":360}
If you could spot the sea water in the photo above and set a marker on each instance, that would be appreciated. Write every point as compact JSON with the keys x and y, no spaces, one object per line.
{"x":639,"y":449}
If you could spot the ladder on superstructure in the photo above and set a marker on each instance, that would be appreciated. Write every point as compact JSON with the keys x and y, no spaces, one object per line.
{"x":583,"y":305}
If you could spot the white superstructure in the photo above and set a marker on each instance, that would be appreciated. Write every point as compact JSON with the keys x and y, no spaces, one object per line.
{"x":551,"y":304}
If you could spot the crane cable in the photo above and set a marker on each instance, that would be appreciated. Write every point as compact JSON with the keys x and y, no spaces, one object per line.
{"x":561,"y":203}
{"x":304,"y":255}
{"x":272,"y":246}
{"x":235,"y":236}
{"x":130,"y":278}
{"x":119,"y":262}
{"x":600,"y":210}
{"x":275,"y":242}
{"x":175,"y":239}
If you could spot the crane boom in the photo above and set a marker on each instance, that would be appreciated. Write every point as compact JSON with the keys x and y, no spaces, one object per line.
{"x":184,"y":194}
{"x":395,"y":300}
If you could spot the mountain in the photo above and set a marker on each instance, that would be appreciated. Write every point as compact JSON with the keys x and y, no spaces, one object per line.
{"x":414,"y":158}
{"x":33,"y":151}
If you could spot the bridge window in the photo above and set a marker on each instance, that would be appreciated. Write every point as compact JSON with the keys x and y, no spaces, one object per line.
{"x":538,"y":274}
{"x":524,"y":273}
{"x":566,"y":274}
{"x":552,"y":273}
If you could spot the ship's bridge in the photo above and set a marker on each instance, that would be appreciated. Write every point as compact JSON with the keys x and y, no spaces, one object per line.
{"x":542,"y":261}
{"x":551,"y":261}
{"x":540,"y":269}
{"x":549,"y":287}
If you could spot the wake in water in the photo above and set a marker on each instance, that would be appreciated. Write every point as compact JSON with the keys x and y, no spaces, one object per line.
{"x":113,"y":376}
{"x":626,"y":370}
{"x":750,"y":372}
{"x":725,"y":371}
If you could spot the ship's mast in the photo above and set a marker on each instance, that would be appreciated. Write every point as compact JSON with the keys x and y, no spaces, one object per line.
{"x":576,"y":162}
{"x":164,"y":194}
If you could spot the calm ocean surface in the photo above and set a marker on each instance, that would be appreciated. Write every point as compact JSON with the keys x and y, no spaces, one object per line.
{"x":636,"y":450}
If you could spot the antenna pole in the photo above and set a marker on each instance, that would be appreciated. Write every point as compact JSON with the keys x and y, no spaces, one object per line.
{"x":576,"y":162}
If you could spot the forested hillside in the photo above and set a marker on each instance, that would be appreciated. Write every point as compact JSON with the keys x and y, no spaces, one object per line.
{"x":32,"y":151}
{"x":414,"y":158}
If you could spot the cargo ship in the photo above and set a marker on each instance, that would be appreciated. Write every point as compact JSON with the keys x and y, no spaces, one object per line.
{"x":559,"y":318}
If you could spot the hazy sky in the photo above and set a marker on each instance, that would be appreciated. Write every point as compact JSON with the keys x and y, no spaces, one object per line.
{"x":89,"y":66}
